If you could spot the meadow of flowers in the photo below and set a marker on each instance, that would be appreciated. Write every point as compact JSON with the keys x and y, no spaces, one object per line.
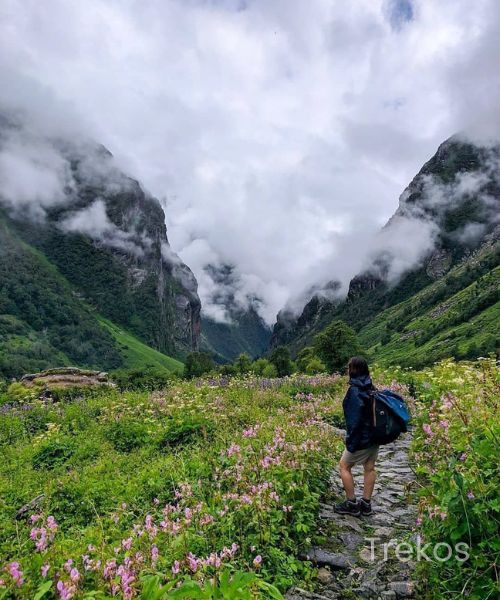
{"x":456,"y":450}
{"x":208,"y":489}
{"x":211,"y":488}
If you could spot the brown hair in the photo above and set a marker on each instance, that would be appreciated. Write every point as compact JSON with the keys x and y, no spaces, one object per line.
{"x":358,"y":367}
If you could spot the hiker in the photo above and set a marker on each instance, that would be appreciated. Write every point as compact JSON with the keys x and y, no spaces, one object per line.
{"x":360,"y":448}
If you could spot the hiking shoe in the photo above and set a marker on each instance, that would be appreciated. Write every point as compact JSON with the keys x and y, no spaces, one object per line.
{"x":365,"y":507}
{"x":349,"y":507}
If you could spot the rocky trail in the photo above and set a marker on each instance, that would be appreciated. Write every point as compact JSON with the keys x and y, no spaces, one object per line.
{"x":352,"y":566}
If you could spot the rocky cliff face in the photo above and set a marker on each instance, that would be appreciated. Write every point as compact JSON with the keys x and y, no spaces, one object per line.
{"x":453,"y":202}
{"x":104,"y":233}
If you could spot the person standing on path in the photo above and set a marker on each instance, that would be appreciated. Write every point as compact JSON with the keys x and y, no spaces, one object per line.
{"x":359,"y":446}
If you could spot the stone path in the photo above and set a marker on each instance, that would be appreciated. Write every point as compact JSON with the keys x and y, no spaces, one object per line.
{"x":350,"y":565}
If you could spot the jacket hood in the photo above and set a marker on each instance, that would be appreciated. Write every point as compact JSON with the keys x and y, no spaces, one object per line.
{"x":363,"y":382}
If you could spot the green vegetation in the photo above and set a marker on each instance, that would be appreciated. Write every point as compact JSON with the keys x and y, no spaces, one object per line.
{"x":456,"y":449}
{"x":281,"y":359}
{"x":42,"y":323}
{"x":197,"y":364}
{"x":335,"y":346}
{"x":201,"y":484}
{"x":136,"y":354}
{"x":217,"y":483}
{"x":456,"y":316}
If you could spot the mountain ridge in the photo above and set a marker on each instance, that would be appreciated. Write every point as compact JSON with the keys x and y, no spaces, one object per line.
{"x":456,"y":198}
{"x":100,"y":239}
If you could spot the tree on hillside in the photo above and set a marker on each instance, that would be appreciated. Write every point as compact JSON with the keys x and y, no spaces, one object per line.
{"x":282,"y":360}
{"x":243,"y":364}
{"x":197,"y":364}
{"x":264,"y":368}
{"x":315,"y":365}
{"x":304,"y":357}
{"x":336,"y":344}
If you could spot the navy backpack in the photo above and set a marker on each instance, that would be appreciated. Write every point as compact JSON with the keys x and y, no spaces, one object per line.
{"x":389,"y":416}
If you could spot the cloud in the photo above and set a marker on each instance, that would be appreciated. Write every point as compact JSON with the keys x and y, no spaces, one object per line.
{"x":278,"y":135}
{"x":94,"y":222}
{"x":33,"y":175}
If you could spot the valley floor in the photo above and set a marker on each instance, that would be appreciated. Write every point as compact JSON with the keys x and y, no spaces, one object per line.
{"x":219,"y":485}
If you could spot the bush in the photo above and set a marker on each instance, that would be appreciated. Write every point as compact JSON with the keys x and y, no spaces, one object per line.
{"x":243,"y":364}
{"x":336,"y":344}
{"x":304,"y":357}
{"x":264,"y":368}
{"x":143,"y":379}
{"x":197,"y":364}
{"x":184,"y":432}
{"x":315,"y":365}
{"x":52,"y":454}
{"x":127,"y":435}
{"x":281,"y":359}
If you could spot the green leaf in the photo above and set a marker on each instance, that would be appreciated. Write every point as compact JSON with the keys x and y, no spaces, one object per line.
{"x":43,"y":589}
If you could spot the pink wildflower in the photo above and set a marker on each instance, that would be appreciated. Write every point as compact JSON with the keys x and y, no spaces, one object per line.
{"x":154,"y":554}
{"x":44,"y":570}
{"x":16,"y":573}
{"x":192,"y":562}
{"x":257,"y":561}
{"x":470,"y":495}
{"x":176,"y":567}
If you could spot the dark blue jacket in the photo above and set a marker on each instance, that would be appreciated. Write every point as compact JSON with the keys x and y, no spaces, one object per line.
{"x":358,"y":414}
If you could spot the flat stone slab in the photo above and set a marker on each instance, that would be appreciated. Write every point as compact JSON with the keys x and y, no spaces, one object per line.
{"x":335,"y":560}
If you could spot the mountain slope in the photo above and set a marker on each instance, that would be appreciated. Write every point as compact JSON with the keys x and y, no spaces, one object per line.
{"x":42,"y":323}
{"x":455,"y":316}
{"x":136,"y":355}
{"x":78,"y":239}
{"x":247,"y":333}
{"x":453,"y":203}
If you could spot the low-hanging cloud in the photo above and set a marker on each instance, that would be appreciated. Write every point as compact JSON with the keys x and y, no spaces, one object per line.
{"x":278,"y":135}
{"x":33,"y":175}
{"x":94,"y":222}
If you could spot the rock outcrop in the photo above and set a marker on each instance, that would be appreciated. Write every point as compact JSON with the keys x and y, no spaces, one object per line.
{"x":66,"y":377}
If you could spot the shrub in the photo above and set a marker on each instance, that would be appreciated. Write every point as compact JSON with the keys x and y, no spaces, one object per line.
{"x":243,"y":364}
{"x":336,"y":344}
{"x":314,"y":366}
{"x":184,"y":432}
{"x":143,"y":379}
{"x":197,"y":364}
{"x":281,"y":359}
{"x":52,"y":454}
{"x":264,"y":368}
{"x":126,"y":435}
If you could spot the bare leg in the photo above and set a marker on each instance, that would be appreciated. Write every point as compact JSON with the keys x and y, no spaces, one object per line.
{"x":369,"y":479}
{"x":347,"y":480}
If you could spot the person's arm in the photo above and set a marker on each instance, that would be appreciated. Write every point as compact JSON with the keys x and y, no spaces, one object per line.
{"x":353,"y":411}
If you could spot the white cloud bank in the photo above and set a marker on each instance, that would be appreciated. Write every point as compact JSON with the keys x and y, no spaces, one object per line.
{"x":278,"y":133}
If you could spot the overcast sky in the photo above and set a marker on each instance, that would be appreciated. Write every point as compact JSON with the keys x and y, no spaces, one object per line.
{"x":278,"y":133}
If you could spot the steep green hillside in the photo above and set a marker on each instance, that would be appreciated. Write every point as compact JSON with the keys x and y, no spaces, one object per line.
{"x":42,"y":321}
{"x":105,"y":234}
{"x":137,"y":355}
{"x":45,"y":323}
{"x":455,"y":316}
